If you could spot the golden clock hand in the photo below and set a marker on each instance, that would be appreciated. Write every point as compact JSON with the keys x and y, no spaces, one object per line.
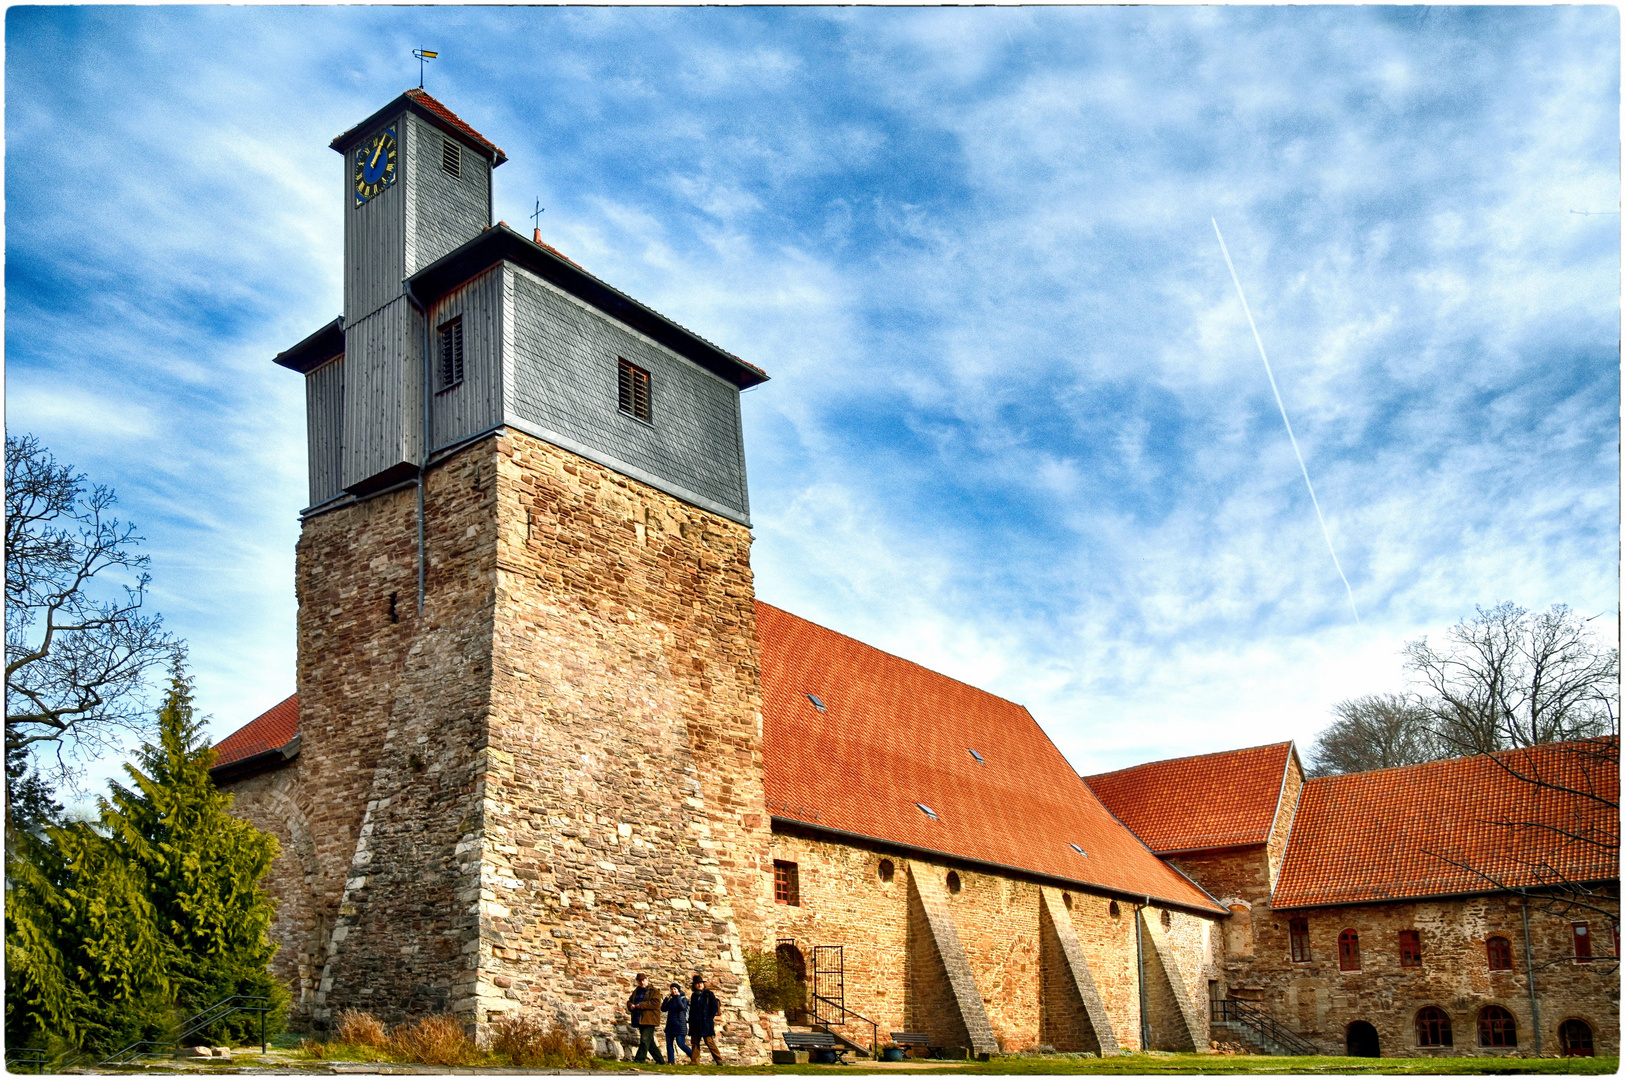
{"x":375,"y":154}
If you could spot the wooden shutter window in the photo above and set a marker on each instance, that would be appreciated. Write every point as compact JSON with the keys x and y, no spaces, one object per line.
{"x":451,"y":353}
{"x":635,"y":392}
{"x":451,"y":157}
{"x":1410,"y":948}
{"x":786,"y":884}
{"x":1300,"y":940}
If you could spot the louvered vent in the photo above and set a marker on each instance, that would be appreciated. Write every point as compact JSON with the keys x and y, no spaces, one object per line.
{"x":451,"y":353}
{"x":635,"y":392}
{"x":451,"y":157}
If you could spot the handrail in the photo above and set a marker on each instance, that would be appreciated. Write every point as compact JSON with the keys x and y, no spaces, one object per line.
{"x":195,"y":1023}
{"x":874,"y":1028}
{"x":36,"y":1056}
{"x":1265,"y":1024}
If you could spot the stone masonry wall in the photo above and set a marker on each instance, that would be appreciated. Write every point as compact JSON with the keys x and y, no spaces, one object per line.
{"x":273,"y":801}
{"x":892,"y":976}
{"x":1281,"y":830}
{"x":403,"y":944}
{"x":1319,"y":1000}
{"x":625,"y":825}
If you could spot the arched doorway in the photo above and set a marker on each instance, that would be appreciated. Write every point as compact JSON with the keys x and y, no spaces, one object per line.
{"x":1362,"y":1040}
{"x":797,"y":963}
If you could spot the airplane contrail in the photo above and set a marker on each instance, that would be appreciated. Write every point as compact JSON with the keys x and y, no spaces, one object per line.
{"x":1260,"y":341}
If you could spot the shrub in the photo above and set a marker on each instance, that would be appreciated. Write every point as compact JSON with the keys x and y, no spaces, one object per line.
{"x":434,"y":1040}
{"x":774,"y":982}
{"x":528,"y":1044}
{"x":362,"y":1029}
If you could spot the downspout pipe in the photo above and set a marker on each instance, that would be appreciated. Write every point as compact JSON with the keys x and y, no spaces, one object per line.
{"x":423,"y":454}
{"x":1139,"y":967}
{"x":1529,"y":966}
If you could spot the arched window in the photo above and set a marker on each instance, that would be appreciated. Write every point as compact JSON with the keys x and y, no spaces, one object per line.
{"x":1500,"y":950}
{"x":1433,"y":1028}
{"x":1576,"y":1036}
{"x":1496,"y":1027}
{"x":953,"y":882}
{"x":1299,"y":929}
{"x":887,"y":869}
{"x":1348,"y":951}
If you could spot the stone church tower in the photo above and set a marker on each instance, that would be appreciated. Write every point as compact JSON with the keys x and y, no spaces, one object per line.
{"x":529,"y":684}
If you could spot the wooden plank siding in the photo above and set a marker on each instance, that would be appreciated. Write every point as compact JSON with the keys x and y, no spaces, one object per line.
{"x":383,"y":392}
{"x":375,"y":237}
{"x":474,"y":404}
{"x":324,"y":418}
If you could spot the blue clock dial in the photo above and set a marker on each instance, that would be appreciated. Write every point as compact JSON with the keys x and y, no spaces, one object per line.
{"x":375,"y":162}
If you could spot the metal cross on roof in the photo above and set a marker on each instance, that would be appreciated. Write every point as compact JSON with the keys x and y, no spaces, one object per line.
{"x":537,"y":216}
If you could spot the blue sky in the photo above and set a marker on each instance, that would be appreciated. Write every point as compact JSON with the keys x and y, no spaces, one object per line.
{"x":1017,"y":429}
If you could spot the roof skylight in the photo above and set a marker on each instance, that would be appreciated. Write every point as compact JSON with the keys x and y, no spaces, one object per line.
{"x":927,"y":811}
{"x":979,"y":759}
{"x":1079,"y":850}
{"x":819,"y":705}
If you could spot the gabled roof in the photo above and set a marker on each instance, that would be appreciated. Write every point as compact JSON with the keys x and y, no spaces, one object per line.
{"x":1464,"y":825}
{"x":269,"y":739}
{"x":1227,"y":799}
{"x":500,"y":243}
{"x":893,"y":735}
{"x":418,"y":101}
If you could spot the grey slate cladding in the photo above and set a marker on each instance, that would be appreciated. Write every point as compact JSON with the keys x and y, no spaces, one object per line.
{"x":324,"y":417}
{"x":475,"y":404}
{"x":565,"y":374}
{"x":444,"y":211}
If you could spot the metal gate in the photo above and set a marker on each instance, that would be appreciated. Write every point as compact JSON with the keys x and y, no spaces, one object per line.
{"x":829,"y":984}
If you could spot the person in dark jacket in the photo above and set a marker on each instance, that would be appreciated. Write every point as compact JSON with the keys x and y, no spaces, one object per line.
{"x":676,"y":1009}
{"x":703,"y":1008}
{"x":644,"y":1005}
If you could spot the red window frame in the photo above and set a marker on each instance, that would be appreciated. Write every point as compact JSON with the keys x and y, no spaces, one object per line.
{"x":1298,"y":930}
{"x":1348,"y":950}
{"x":1499,"y":951}
{"x":1582,"y":942}
{"x":1410,"y":948}
{"x":1433,"y":1027}
{"x":1497,"y":1027}
{"x":786,"y":883}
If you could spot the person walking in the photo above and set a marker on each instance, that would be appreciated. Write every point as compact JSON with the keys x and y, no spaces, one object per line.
{"x":644,"y":1005}
{"x":676,"y":1009}
{"x":703,"y":1008}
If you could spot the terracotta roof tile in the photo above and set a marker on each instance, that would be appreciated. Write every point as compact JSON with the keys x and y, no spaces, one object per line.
{"x":456,"y":122}
{"x":271,"y":730}
{"x":1218,"y":800}
{"x":1423,"y":830}
{"x":894,"y":734}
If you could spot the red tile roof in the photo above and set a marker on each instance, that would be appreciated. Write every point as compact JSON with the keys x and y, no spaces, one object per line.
{"x":1457,"y":826}
{"x":1218,"y":800}
{"x":895,"y":734}
{"x":271,"y":730}
{"x":420,"y":102}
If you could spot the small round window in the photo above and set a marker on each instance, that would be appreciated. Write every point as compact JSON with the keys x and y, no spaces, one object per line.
{"x":887,"y":869}
{"x":953,"y":882}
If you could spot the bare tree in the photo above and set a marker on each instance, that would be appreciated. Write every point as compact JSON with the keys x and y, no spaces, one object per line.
{"x":78,"y":644}
{"x":1508,"y":678}
{"x":1377,"y":731}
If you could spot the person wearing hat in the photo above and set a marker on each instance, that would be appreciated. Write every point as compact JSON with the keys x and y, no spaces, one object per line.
{"x":644,"y":1005}
{"x":676,"y":1009}
{"x":703,"y":1008}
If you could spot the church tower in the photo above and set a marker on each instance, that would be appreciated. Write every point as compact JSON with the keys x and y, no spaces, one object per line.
{"x":529,"y":677}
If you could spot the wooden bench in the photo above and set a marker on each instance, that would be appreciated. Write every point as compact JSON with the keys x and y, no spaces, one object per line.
{"x":910,"y":1039}
{"x":815,"y":1043}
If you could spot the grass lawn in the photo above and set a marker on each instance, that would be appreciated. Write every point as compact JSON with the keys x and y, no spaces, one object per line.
{"x":1142,"y":1064}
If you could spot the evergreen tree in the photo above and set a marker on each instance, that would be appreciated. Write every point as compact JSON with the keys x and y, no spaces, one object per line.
{"x":116,"y":929}
{"x":203,"y":868}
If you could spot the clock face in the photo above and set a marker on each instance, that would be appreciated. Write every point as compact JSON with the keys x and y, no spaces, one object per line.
{"x":375,"y":165}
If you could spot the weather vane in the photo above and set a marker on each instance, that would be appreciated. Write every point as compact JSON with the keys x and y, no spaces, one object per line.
{"x":423,"y":55}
